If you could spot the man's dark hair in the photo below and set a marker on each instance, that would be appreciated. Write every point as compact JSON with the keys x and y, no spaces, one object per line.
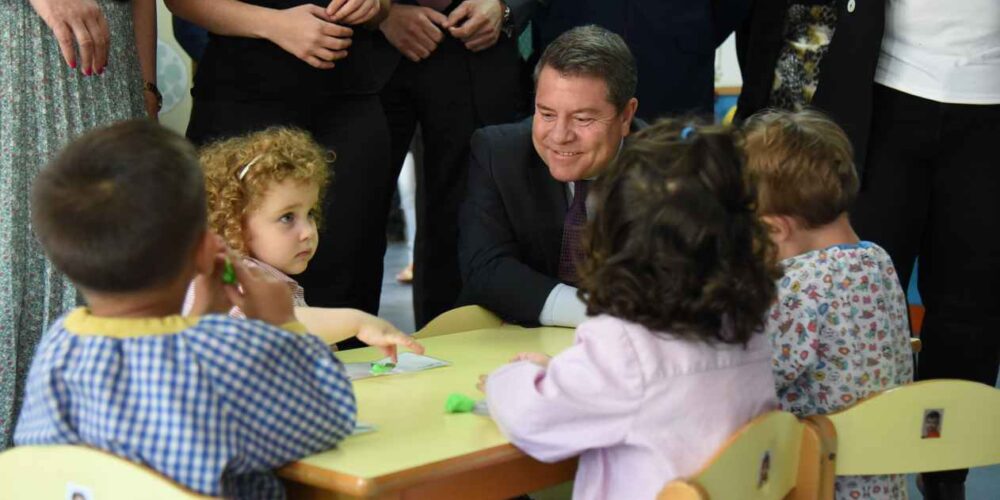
{"x":594,"y":52}
{"x":121,"y":208}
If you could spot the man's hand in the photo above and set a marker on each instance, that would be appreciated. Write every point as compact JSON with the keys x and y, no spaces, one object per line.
{"x":308,"y":33}
{"x":477,"y":23}
{"x":352,"y":12}
{"x":414,"y":31}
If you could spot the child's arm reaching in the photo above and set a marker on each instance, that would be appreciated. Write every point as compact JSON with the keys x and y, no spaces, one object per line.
{"x":584,"y":398}
{"x":334,"y":325}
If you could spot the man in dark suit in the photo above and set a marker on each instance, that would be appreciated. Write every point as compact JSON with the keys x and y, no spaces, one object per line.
{"x":525,"y":209}
{"x":461,"y":70}
{"x":673,"y":41}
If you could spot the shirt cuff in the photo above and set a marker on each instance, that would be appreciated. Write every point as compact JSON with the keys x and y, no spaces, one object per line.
{"x":563,"y":308}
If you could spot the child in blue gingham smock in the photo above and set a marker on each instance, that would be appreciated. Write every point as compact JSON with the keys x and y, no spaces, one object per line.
{"x":212,"y":402}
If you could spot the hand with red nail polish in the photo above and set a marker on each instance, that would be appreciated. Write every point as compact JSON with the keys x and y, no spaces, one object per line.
{"x":77,"y":24}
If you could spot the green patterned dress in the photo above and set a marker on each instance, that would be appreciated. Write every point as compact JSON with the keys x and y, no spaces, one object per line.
{"x":43,"y":105}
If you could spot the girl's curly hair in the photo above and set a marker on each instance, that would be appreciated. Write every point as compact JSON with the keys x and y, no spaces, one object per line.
{"x":675,"y":245}
{"x":274,"y":155}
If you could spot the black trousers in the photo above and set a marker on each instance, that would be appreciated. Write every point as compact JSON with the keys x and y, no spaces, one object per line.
{"x":931,"y":188}
{"x":439,"y":94}
{"x":347,"y":268}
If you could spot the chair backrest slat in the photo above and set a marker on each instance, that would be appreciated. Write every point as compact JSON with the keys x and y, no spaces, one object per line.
{"x":922,"y":427}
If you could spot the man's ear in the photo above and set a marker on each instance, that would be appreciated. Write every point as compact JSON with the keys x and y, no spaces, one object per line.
{"x":779,"y":227}
{"x":628,"y":114}
{"x":209,"y":246}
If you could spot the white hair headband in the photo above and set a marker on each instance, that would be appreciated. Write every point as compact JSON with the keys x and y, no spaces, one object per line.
{"x":245,"y":169}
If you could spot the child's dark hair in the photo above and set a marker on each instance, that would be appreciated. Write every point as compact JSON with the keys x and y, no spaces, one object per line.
{"x":675,"y":245}
{"x":121,"y":208}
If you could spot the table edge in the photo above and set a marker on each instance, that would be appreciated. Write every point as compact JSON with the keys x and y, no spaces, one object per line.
{"x":313,"y":475}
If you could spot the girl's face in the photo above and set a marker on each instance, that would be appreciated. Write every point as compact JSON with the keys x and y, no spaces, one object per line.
{"x":281,"y":230}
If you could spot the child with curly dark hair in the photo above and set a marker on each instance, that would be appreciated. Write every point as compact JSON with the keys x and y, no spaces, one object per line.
{"x":671,"y":363}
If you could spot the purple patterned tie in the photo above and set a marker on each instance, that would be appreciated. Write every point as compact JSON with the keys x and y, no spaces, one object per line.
{"x":438,"y":5}
{"x":571,"y":255}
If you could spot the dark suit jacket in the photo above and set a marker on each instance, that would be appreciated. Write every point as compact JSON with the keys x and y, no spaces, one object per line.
{"x":510,"y":225}
{"x":847,"y":71}
{"x":673,"y":42}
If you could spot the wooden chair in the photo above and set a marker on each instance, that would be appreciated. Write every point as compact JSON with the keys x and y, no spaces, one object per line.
{"x":41,"y":472}
{"x":461,"y":319}
{"x":893,"y":432}
{"x":775,"y":456}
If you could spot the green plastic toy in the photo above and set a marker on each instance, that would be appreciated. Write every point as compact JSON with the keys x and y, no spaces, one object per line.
{"x":382,"y":368}
{"x":228,"y":273}
{"x":459,"y":403}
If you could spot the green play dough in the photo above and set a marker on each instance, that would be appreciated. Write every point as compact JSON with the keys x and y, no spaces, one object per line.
{"x":228,"y":273}
{"x":380,"y":368}
{"x":459,"y":403}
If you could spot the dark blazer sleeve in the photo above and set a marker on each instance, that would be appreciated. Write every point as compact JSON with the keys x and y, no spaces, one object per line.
{"x":727,"y":15}
{"x":493,"y":273}
{"x":521,"y":11}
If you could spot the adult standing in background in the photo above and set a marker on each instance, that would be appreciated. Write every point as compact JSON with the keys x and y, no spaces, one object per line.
{"x":916,"y":85}
{"x":673,"y":41}
{"x":67,"y":66}
{"x":819,"y":53}
{"x":931,"y":181}
{"x":308,"y":65}
{"x":456,"y":68}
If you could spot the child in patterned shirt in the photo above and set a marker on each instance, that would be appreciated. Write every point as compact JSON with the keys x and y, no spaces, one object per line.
{"x":212,"y":402}
{"x":839,"y":328}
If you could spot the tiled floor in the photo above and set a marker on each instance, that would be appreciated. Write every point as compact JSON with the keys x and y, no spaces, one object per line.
{"x":397,"y":307}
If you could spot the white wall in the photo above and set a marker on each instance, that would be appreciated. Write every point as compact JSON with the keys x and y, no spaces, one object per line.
{"x":173,"y":74}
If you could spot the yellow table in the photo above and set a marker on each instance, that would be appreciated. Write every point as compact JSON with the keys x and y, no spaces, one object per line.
{"x":418,"y":450}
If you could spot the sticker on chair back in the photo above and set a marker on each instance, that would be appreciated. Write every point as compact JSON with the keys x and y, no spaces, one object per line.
{"x":765,"y":469}
{"x":77,"y":492}
{"x":932,"y":424}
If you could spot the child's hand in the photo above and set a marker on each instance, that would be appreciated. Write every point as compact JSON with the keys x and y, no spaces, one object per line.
{"x":535,"y":357}
{"x":380,"y":333}
{"x":261,"y":297}
{"x":210,"y":296}
{"x":207,"y":288}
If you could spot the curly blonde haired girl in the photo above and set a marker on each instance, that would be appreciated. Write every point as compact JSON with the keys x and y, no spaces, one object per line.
{"x":239,"y":171}
{"x":264,"y":196}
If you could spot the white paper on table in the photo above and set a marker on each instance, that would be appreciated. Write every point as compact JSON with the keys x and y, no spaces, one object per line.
{"x":408,"y":362}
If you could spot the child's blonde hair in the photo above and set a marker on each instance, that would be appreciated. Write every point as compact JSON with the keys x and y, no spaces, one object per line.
{"x":801,"y":164}
{"x":239,"y":170}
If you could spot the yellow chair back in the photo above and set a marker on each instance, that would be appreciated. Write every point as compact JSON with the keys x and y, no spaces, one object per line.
{"x":922,"y":427}
{"x":775,"y":456}
{"x":40,"y":472}
{"x":457,"y":320}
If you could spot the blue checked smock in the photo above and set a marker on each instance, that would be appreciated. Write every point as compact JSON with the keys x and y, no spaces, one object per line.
{"x":214,"y":403}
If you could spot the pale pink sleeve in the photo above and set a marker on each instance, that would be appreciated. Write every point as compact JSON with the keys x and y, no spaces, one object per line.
{"x":585,"y":399}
